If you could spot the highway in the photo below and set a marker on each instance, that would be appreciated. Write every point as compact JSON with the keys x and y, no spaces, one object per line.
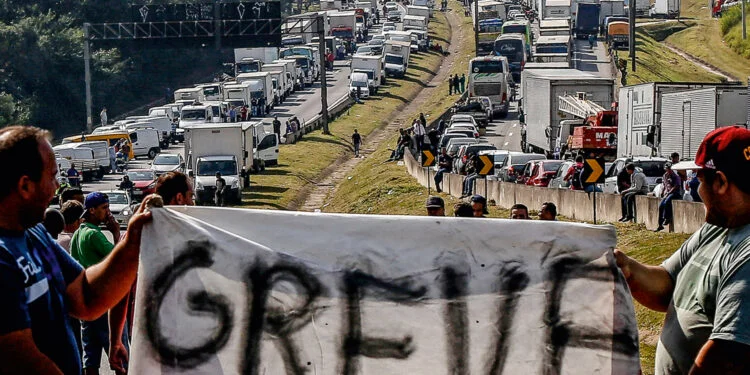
{"x":505,"y":134}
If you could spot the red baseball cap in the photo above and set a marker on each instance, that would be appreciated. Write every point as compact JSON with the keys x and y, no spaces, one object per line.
{"x":725,"y":149}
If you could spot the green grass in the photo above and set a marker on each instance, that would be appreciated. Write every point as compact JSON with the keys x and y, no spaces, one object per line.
{"x":660,"y":31}
{"x":656,"y":63}
{"x":302,"y":163}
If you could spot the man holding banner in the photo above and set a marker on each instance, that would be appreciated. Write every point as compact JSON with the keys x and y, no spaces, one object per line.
{"x":41,"y":283}
{"x":704,"y":287}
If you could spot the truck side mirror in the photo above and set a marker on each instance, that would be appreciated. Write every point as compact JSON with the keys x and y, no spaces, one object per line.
{"x":191,"y":174}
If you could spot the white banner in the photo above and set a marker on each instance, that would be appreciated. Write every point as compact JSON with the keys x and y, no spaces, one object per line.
{"x":230,"y":291}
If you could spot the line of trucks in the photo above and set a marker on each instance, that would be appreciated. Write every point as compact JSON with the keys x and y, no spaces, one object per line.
{"x":569,"y":111}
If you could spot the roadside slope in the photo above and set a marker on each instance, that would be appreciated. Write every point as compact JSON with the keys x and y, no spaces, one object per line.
{"x":425,"y":102}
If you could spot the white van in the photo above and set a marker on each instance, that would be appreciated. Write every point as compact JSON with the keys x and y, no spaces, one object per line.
{"x":145,"y":142}
{"x":100,"y":150}
{"x":359,"y":81}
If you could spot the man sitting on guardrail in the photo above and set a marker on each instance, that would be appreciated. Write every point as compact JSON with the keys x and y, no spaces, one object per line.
{"x":638,"y":186}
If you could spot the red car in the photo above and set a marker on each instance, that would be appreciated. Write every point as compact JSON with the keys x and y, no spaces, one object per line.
{"x":542,"y":172}
{"x":144,"y":182}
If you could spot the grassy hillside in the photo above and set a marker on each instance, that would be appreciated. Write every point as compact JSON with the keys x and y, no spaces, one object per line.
{"x":655,"y":62}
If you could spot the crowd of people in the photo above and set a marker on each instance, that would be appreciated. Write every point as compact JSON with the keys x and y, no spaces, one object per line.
{"x":59,"y":271}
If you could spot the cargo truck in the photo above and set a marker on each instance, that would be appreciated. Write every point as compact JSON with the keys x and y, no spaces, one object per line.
{"x":610,"y":8}
{"x":587,"y":20}
{"x":264,"y":54}
{"x":343,"y":24}
{"x":541,"y":92}
{"x":413,"y":10}
{"x":556,"y":9}
{"x":642,"y":8}
{"x":261,"y":86}
{"x":396,"y":57}
{"x":278,"y":71}
{"x":310,"y":52}
{"x":373,"y":66}
{"x":640,"y":114}
{"x":665,"y":9}
{"x":554,"y":27}
{"x":189,"y":93}
{"x":414,"y":23}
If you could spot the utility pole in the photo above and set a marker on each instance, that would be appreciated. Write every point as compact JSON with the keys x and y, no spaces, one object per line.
{"x":476,"y":27}
{"x":217,"y":25}
{"x":87,"y":76}
{"x":323,"y":84}
{"x":744,"y":23}
{"x":631,"y":45}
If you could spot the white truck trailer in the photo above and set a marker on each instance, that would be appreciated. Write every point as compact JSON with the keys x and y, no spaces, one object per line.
{"x":556,"y":9}
{"x":687,"y":116}
{"x":639,"y":114}
{"x":396,"y":57}
{"x":541,"y":92}
{"x":189,"y":93}
{"x":283,"y":80}
{"x":665,"y":9}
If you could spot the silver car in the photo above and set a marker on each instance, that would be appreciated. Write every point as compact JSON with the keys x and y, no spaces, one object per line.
{"x":121,"y":206}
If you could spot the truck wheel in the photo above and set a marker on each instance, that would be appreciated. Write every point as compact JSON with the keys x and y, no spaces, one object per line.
{"x":504,"y":114}
{"x":152,"y":153}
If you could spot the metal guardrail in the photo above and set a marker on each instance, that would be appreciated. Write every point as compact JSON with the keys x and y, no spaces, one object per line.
{"x":316,"y":122}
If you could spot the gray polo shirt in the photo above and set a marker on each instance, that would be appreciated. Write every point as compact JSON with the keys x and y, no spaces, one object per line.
{"x":711,"y":298}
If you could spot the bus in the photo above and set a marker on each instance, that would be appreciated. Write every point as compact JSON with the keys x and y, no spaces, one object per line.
{"x":489,"y":76}
{"x":513,"y":47}
{"x":520,"y":27}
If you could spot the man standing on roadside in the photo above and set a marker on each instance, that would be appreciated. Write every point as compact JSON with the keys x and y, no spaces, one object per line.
{"x":445,"y":163}
{"x":672,"y":183}
{"x":704,"y":287}
{"x":519,"y":212}
{"x":638,"y":186}
{"x":461,"y":83}
{"x":435,"y":206}
{"x":356,"y":141}
{"x":35,"y":336}
{"x":74,"y":178}
{"x":450,"y":85}
{"x":277,"y":125}
{"x":221,"y":185}
{"x":89,"y":247}
{"x":103,"y":116}
{"x":419,"y":133}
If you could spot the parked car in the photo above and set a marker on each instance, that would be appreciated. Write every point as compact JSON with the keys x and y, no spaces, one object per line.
{"x":121,"y":206}
{"x":364,"y":51}
{"x":653,"y":168}
{"x":516,"y":158}
{"x":455,"y":143}
{"x":393,"y":15}
{"x":447,"y":137}
{"x":513,"y":172}
{"x":144,"y":181}
{"x":463,"y":118}
{"x":463,"y":126}
{"x":499,"y":158}
{"x":467,"y":132}
{"x":164,"y":163}
{"x":376,"y":46}
{"x":558,"y":180}
{"x":542,"y":172}
{"x":459,"y":162}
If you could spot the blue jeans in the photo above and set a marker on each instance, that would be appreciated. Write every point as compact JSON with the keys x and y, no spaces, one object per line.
{"x":95,"y":337}
{"x":591,"y":188}
{"x":665,"y":209}
{"x":469,"y":184}
{"x":439,"y":176}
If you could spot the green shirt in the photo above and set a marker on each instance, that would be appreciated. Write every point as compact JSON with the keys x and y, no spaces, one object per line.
{"x":89,"y":246}
{"x":711,"y":298}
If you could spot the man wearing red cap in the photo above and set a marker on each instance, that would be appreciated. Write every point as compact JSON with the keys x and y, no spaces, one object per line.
{"x":704,"y":287}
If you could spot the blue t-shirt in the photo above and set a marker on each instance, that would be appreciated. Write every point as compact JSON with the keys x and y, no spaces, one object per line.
{"x":34,"y":273}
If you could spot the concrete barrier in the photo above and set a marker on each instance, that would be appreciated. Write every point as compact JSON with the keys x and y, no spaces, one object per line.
{"x":577,"y":205}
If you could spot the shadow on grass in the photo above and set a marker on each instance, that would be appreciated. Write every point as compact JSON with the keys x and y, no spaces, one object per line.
{"x":397,"y":97}
{"x":275,"y":171}
{"x":415,"y":80}
{"x":324,"y":140}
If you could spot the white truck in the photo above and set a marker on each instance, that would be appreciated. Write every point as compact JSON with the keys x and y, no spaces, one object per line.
{"x":94,"y":156}
{"x":211,"y":91}
{"x":283,"y":81}
{"x":413,"y":10}
{"x":396,"y":57}
{"x":542,"y":90}
{"x":261,"y":86}
{"x":414,"y":23}
{"x":639,"y":114}
{"x":195,"y":114}
{"x":237,"y":94}
{"x":556,"y":9}
{"x":642,"y":8}
{"x":343,"y":24}
{"x":294,"y":72}
{"x":611,"y":8}
{"x":162,"y":124}
{"x":665,"y":9}
{"x":310,"y":52}
{"x":265,"y":54}
{"x":163,"y":111}
{"x":218,"y":148}
{"x":189,"y":93}
{"x":373,"y":66}
{"x":358,"y":81}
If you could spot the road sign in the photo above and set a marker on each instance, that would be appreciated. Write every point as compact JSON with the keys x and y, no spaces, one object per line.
{"x":593,"y":171}
{"x":486,"y":165}
{"x":428,"y":159}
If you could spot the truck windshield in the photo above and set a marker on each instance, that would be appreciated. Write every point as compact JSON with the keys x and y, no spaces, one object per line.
{"x":247,"y":67}
{"x":653,"y":168}
{"x":514,"y":29}
{"x":193,"y":114}
{"x":510,"y":48}
{"x":552,"y":48}
{"x":393,"y":59}
{"x":210,"y":167}
{"x":487,"y":66}
{"x":359,"y":84}
{"x":211,"y":91}
{"x":302,"y":61}
{"x":342,"y":33}
{"x":236,"y":102}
